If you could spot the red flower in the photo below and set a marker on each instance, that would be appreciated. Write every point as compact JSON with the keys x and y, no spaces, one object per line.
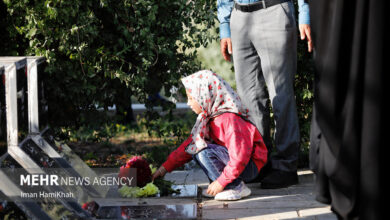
{"x":85,"y":206}
{"x":210,"y":87}
{"x":144,"y":174}
{"x":219,"y":87}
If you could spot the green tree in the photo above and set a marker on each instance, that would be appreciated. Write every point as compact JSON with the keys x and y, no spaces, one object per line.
{"x":100,"y":53}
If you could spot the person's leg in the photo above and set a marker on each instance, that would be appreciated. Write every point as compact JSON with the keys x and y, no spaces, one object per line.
{"x":249,"y":78}
{"x":275,"y":41}
{"x":213,"y":160}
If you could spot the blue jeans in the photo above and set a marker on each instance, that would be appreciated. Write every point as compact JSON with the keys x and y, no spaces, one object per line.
{"x":213,"y":160}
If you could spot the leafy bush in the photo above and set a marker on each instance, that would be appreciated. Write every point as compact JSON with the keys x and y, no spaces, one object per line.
{"x":178,"y":127}
{"x":103,"y":52}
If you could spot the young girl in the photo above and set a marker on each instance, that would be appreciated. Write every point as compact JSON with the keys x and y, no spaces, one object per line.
{"x":226,"y":145}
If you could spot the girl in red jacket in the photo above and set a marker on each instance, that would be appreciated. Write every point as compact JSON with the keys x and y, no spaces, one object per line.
{"x":226,"y":145}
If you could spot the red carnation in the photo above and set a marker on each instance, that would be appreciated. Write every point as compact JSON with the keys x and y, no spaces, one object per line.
{"x":144,"y":174}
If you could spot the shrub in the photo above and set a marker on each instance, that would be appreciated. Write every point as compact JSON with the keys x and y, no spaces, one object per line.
{"x":101,"y":53}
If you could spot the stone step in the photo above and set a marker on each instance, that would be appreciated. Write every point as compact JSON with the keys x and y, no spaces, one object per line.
{"x":305,"y":176}
{"x":295,"y":202}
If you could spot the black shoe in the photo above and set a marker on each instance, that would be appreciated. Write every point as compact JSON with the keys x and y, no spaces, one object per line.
{"x":279,"y":179}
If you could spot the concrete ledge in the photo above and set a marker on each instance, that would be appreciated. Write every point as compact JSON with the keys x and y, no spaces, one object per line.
{"x":295,"y":202}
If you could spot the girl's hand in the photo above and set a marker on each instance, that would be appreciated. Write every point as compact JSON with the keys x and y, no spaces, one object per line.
{"x":214,"y":188}
{"x":160,"y":172}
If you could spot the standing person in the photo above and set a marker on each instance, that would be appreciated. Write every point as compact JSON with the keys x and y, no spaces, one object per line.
{"x":350,"y":160}
{"x":228,"y":147}
{"x":261,"y":36}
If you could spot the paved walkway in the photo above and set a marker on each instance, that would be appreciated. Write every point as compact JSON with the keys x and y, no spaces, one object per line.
{"x":295,"y":202}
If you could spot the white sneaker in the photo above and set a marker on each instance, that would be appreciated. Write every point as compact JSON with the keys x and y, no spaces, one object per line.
{"x":205,"y":194}
{"x":241,"y":191}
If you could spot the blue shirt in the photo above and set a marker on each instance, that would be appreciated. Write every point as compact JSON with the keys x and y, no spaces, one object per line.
{"x":225,"y":7}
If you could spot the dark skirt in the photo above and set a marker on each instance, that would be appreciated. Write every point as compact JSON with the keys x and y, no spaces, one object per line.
{"x":348,"y":147}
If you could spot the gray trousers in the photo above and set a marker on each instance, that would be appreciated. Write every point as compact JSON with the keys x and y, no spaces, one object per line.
{"x":265,"y":58}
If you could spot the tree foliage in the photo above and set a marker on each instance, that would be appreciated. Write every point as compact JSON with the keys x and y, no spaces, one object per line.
{"x":101,"y":53}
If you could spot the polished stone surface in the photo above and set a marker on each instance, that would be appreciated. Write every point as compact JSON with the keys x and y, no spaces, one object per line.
{"x":187,"y":211}
{"x":294,"y":202}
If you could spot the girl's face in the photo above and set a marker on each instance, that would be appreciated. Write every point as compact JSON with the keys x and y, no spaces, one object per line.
{"x":193,"y":104}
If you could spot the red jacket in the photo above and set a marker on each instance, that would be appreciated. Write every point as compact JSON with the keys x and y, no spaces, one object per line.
{"x":241,"y":138}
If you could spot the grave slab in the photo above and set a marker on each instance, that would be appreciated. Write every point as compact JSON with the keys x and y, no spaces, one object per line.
{"x":9,"y":190}
{"x":180,"y":206}
{"x":68,"y":160}
{"x":33,"y":208}
{"x":187,"y":211}
{"x":30,"y":157}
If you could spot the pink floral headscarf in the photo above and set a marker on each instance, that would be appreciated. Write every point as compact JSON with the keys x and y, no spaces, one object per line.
{"x":215,"y":96}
